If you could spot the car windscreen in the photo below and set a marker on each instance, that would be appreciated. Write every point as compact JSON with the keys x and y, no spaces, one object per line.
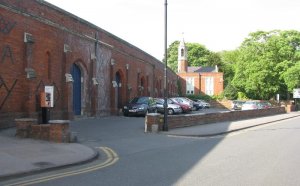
{"x":141,"y":100}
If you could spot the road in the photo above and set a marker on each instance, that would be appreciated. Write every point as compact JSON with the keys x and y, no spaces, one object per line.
{"x":267,"y":155}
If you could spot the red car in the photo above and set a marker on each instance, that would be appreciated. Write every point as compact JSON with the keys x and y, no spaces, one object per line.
{"x":185,"y":108}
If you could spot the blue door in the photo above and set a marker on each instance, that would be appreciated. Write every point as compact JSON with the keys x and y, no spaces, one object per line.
{"x":118,"y":91}
{"x":76,"y":74}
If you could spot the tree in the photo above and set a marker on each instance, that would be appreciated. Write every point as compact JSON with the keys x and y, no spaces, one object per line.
{"x":173,"y":56}
{"x":228,"y":62}
{"x":198,"y":55}
{"x":263,"y":59}
{"x":292,"y":77}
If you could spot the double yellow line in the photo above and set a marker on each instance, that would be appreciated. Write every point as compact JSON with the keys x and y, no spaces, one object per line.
{"x":112,"y":158}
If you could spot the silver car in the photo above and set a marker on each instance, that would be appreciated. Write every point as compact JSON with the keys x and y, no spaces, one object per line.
{"x":173,"y":108}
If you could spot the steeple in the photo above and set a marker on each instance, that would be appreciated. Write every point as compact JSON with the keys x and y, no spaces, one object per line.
{"x":182,"y":57}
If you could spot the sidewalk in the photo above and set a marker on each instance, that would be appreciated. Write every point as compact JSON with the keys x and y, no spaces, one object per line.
{"x":23,"y":156}
{"x":222,"y":128}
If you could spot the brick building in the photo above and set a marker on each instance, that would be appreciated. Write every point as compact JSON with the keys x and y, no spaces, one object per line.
{"x":91,"y":71}
{"x":197,"y":80}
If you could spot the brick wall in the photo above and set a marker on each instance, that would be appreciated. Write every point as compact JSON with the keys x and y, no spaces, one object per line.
{"x":56,"y":41}
{"x":177,"y":121}
{"x":57,"y":131}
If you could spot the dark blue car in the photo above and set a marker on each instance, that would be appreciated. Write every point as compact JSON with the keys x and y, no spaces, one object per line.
{"x":140,"y":106}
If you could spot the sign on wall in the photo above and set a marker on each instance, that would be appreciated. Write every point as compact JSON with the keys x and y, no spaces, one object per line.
{"x":49,"y":90}
{"x":296,"y":93}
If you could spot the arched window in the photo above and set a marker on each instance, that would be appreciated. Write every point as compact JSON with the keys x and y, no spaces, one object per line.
{"x":182,"y":52}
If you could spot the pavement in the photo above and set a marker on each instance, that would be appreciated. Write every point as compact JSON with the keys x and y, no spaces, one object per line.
{"x":27,"y":156}
{"x":223,"y":128}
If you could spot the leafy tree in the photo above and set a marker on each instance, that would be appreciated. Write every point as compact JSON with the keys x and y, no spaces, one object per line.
{"x":228,"y":62}
{"x":198,"y":55}
{"x":264,"y":63}
{"x":173,"y":56}
{"x":292,"y":77}
{"x":230,"y":92}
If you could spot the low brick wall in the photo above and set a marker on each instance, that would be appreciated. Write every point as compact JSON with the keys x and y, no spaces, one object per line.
{"x":59,"y":131}
{"x":56,"y":131}
{"x":23,"y":126}
{"x":177,"y":121}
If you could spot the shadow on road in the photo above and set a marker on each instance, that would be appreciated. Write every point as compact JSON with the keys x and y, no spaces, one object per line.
{"x":144,"y":157}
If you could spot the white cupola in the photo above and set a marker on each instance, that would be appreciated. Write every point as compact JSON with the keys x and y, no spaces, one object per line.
{"x":182,"y":57}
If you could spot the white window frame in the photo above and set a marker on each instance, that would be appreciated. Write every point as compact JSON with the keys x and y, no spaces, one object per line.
{"x":209,"y":85}
{"x":190,"y":88}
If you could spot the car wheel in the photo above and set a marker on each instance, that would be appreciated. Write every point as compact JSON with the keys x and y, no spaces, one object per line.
{"x":170,"y":111}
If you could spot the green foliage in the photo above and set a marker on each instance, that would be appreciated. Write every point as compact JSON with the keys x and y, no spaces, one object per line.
{"x":228,"y":62}
{"x":292,"y":77}
{"x":173,"y":56}
{"x":198,"y":55}
{"x":179,"y":88}
{"x":264,"y":61}
{"x":230,"y":92}
{"x":242,"y":96}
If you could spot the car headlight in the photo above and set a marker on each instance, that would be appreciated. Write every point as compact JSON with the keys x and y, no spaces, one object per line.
{"x":141,"y":107}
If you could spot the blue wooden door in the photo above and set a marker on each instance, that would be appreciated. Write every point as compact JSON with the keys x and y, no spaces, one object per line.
{"x":118,"y":90}
{"x":76,"y":74}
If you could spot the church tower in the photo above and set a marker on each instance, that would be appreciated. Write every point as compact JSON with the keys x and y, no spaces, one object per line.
{"x":182,"y":57}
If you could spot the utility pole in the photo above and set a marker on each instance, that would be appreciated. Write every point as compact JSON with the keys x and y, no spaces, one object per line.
{"x":165,"y":125}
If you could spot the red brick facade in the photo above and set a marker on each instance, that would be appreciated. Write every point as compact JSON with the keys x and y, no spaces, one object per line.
{"x":41,"y":44}
{"x":197,"y":80}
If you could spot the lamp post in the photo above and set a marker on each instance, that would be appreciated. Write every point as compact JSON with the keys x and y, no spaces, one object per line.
{"x":165,"y":125}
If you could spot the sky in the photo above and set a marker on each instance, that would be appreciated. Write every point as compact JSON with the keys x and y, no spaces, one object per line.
{"x":217,"y":24}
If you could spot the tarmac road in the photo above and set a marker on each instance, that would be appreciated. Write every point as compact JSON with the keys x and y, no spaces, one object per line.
{"x":166,"y":159}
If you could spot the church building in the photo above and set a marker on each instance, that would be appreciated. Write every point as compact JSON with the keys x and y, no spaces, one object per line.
{"x":197,"y":80}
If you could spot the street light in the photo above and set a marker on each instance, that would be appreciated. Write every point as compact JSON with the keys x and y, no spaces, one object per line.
{"x":165,"y":125}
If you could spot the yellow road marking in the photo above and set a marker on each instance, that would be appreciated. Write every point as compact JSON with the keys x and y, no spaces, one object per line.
{"x":112,"y":158}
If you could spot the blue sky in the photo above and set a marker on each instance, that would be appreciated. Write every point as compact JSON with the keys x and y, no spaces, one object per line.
{"x":217,"y":24}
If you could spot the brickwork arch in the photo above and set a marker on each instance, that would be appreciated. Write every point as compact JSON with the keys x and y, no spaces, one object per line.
{"x":80,"y":95}
{"x":120,"y":90}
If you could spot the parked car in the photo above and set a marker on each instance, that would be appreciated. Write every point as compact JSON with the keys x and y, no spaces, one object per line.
{"x":140,"y":106}
{"x":185,"y":104}
{"x":256,"y":104}
{"x":203,"y":103}
{"x":197,"y":105}
{"x":237,"y":104}
{"x":172,"y":107}
{"x":265,"y":104}
{"x":251,"y":105}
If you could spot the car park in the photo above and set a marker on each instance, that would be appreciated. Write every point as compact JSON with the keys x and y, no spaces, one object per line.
{"x":172,"y":107}
{"x":140,"y":106}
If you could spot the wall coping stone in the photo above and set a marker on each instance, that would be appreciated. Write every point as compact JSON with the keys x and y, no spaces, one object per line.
{"x":58,"y":121}
{"x":153,"y":114}
{"x":25,"y":119}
